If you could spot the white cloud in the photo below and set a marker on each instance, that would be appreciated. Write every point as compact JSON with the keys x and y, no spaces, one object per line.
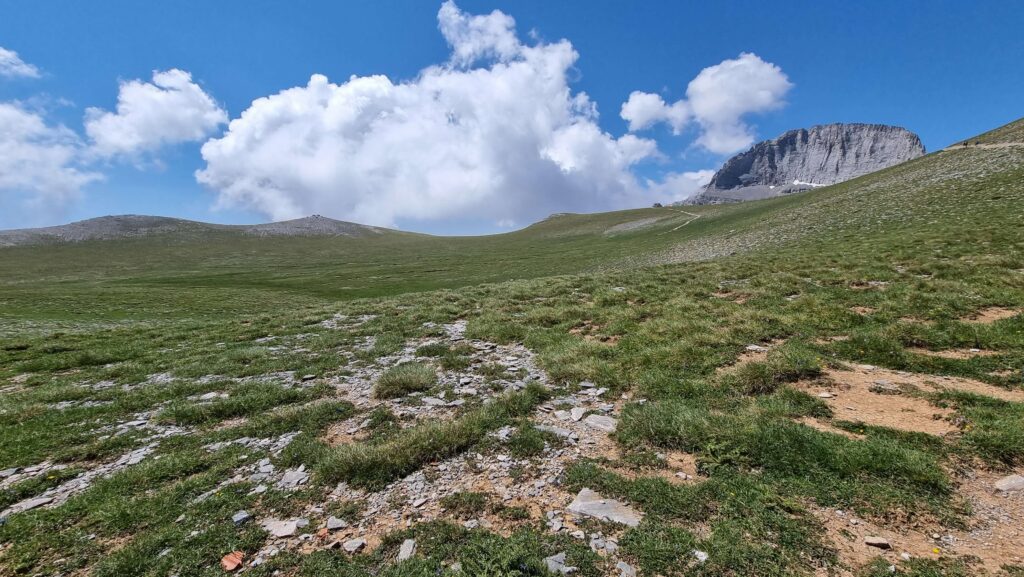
{"x":475,"y":37}
{"x":12,"y":66}
{"x":678,"y":186}
{"x":644,"y":109}
{"x":39,"y":162}
{"x":718,"y":99}
{"x":495,"y":135}
{"x":169,"y":110}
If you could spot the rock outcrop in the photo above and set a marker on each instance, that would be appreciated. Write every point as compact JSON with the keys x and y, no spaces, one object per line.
{"x":806,"y":158}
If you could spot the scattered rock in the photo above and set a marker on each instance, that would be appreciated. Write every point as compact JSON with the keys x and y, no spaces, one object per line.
{"x":293,"y":478}
{"x":556,"y":564}
{"x":241,"y":517}
{"x":1010,"y":483}
{"x":279,"y":528}
{"x":700,"y":556}
{"x":875,"y":541}
{"x":601,"y":423}
{"x":625,"y":569}
{"x":334,"y":523}
{"x":354,"y":545}
{"x":576,"y":414}
{"x":33,"y":503}
{"x":407,"y":550}
{"x":591,"y":504}
{"x":232,"y":560}
{"x":557,"y":431}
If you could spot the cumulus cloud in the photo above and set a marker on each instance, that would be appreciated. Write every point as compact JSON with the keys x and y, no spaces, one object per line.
{"x":39,"y":163}
{"x":644,"y":109}
{"x":718,"y":99}
{"x":677,"y":186}
{"x":496,"y":133}
{"x":169,"y":110}
{"x":44,"y":167}
{"x":12,"y":66}
{"x":476,"y":37}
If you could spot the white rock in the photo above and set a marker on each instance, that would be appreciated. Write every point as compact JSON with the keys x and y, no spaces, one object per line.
{"x":590,"y":504}
{"x":875,"y":541}
{"x":279,"y":528}
{"x":354,"y":545}
{"x":407,"y":550}
{"x":556,"y":564}
{"x":557,"y":431}
{"x":1010,"y":483}
{"x":601,"y":423}
{"x":293,"y":478}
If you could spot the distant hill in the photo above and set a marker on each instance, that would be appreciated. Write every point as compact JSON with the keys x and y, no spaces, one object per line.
{"x":134,"y":226}
{"x":807,"y":158}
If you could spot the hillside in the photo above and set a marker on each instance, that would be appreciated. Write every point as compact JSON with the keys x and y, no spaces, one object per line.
{"x":827,"y":383}
{"x":1012,"y":133}
{"x":177,"y":230}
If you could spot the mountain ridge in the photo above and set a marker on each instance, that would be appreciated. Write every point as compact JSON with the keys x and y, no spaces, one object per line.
{"x":124,"y":226}
{"x":806,"y":158}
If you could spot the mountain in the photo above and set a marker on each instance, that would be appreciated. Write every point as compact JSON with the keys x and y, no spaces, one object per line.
{"x":134,"y":226}
{"x":810,"y":157}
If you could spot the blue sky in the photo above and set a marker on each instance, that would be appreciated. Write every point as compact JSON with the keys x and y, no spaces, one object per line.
{"x":943,"y":69}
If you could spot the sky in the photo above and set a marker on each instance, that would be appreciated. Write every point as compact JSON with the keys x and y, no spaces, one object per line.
{"x":465,"y":117}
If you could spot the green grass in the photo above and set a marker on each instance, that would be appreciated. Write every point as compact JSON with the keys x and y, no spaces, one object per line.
{"x":86,"y":327}
{"x":376,"y":464}
{"x":403,"y":379}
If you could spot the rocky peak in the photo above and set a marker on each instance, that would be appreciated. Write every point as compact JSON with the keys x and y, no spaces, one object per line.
{"x":809,"y":157}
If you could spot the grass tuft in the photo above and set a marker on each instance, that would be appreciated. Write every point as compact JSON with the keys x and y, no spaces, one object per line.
{"x":403,"y":379}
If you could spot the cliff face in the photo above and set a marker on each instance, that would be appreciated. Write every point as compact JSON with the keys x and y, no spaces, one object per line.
{"x":818,"y":156}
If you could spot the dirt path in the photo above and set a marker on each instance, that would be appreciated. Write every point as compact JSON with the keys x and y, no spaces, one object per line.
{"x":695,"y":217}
{"x":961,"y":146}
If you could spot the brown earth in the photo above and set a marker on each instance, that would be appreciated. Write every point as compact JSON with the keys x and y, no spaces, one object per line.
{"x":990,"y":315}
{"x":856,"y":396}
{"x":994,"y":532}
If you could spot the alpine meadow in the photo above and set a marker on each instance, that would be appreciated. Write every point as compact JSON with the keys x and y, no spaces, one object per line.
{"x":813,"y":366}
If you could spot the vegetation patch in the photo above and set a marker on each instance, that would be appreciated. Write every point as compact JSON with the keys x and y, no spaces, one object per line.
{"x":403,"y":379}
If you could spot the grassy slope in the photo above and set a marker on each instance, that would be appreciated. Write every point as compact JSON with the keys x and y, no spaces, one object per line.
{"x":232,"y":272}
{"x":1012,"y":132}
{"x":942,"y":231}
